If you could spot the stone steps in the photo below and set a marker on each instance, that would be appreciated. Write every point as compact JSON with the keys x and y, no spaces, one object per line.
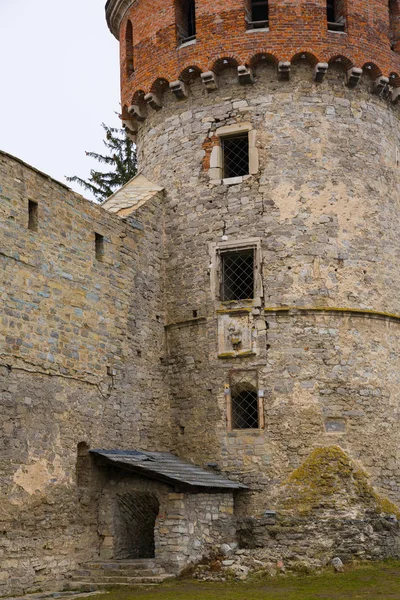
{"x":108,"y":574}
{"x":83,"y":573}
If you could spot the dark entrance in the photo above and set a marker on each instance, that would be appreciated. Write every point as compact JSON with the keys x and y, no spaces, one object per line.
{"x":134,"y":523}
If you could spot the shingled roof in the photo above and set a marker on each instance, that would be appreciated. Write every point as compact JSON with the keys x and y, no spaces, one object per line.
{"x":168,"y":468}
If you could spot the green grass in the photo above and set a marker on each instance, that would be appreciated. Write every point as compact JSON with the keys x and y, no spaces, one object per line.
{"x":379,"y":581}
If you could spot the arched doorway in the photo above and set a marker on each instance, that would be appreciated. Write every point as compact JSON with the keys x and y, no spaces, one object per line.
{"x":134,"y":522}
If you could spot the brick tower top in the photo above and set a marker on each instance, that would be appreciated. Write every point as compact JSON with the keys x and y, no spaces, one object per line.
{"x":164,"y":41}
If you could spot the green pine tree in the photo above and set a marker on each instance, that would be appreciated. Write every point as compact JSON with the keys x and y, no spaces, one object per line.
{"x":122,"y":161}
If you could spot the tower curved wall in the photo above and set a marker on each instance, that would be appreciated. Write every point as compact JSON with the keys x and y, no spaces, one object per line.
{"x":321,"y":205}
{"x":324,"y":206}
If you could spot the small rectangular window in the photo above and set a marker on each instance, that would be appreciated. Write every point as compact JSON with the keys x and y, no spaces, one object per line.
{"x":99,"y":246}
{"x":237,"y":275}
{"x":335,"y":15}
{"x":235,"y":150}
{"x":186,"y":20}
{"x":33,"y":215}
{"x":245,"y":408}
{"x":259,"y":14}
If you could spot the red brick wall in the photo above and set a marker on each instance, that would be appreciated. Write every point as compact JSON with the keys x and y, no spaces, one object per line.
{"x":295,"y":26}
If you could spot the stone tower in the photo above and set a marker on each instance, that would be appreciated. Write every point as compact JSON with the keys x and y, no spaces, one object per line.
{"x":273,"y":127}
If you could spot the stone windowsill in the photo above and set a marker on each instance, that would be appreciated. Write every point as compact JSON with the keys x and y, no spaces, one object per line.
{"x":235,"y":432}
{"x":243,"y":354}
{"x":235,"y":180}
{"x":262,"y":29}
{"x":186,"y":44}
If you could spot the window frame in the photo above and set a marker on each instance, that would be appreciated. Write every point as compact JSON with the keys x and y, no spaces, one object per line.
{"x":184,"y":26}
{"x":229,"y":401}
{"x":251,"y":24}
{"x":223,"y":284}
{"x":216,"y":171}
{"x":338,"y":25}
{"x":218,"y":248}
{"x":224,"y":140}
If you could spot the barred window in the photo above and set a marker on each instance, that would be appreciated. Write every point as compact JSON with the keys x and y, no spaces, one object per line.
{"x":235,"y":151}
{"x":237,"y":275}
{"x":245,"y":409}
{"x":335,"y":15}
{"x":259,"y":14}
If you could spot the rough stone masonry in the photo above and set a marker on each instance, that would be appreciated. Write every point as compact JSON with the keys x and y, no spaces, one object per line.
{"x":117,"y":331}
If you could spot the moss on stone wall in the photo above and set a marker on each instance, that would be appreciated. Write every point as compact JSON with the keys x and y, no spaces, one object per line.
{"x":328,"y":479}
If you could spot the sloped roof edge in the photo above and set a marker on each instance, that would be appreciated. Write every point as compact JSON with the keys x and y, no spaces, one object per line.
{"x":166,"y":467}
{"x":132,"y":195}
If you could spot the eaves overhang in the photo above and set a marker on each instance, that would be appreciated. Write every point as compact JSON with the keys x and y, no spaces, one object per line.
{"x":115,"y":12}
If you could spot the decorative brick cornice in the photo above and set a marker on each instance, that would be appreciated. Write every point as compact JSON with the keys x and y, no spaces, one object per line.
{"x":115,"y":12}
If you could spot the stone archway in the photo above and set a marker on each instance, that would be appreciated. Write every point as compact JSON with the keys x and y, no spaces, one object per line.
{"x":134,"y":524}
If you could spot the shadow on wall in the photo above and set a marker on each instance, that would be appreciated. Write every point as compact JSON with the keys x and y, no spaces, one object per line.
{"x":134,"y":523}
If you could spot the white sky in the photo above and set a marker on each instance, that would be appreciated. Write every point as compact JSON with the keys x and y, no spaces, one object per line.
{"x":59,"y":80}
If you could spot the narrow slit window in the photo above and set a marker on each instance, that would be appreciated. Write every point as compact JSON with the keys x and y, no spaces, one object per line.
{"x":237,"y":282}
{"x":33,"y":215}
{"x":186,"y":21}
{"x":335,"y":10}
{"x":394,"y":25}
{"x":235,"y":150}
{"x":129,"y":49}
{"x":99,"y":246}
{"x":259,"y":14}
{"x":83,"y":465}
{"x":244,"y":401}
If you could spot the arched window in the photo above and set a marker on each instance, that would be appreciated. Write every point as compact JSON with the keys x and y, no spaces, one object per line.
{"x":186,"y":20}
{"x":129,"y":49}
{"x":258,"y":14}
{"x":245,"y":403}
{"x":336,"y":15}
{"x":394,"y":24}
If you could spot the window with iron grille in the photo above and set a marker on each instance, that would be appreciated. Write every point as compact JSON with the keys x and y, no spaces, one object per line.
{"x":237,"y":275}
{"x":245,"y":410}
{"x":335,"y":15}
{"x":235,"y":151}
{"x":259,"y":14}
{"x":186,"y":20}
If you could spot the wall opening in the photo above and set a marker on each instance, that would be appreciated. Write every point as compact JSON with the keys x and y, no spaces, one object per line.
{"x":237,"y":275}
{"x":99,"y":246}
{"x":336,"y":15}
{"x":394,"y":25}
{"x":258,"y":14}
{"x":235,"y":150}
{"x":244,"y":407}
{"x":33,"y":215}
{"x":129,"y":49}
{"x":83,"y":465}
{"x":134,"y":524}
{"x":186,"y":20}
{"x":245,"y":411}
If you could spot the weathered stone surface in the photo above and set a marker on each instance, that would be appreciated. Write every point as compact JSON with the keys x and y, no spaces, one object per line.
{"x":124,"y":352}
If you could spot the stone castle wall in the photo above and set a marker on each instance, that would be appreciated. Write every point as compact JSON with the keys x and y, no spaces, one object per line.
{"x":80,"y":348}
{"x":324,"y":207}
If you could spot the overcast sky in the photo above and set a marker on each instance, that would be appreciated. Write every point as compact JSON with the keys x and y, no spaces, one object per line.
{"x":59,"y":81}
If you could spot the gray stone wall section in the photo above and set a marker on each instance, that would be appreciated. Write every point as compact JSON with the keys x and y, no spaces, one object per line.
{"x":325,"y":207}
{"x":81,"y":342}
{"x":194,"y":527}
